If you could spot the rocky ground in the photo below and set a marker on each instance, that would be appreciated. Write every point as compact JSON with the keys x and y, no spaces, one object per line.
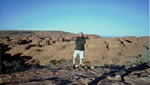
{"x":115,"y":75}
{"x":45,"y":58}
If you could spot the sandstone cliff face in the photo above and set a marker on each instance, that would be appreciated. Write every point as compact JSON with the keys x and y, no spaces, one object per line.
{"x":60,"y":45}
{"x":115,"y":50}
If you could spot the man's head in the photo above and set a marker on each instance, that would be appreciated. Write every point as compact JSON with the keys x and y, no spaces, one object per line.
{"x":81,"y":34}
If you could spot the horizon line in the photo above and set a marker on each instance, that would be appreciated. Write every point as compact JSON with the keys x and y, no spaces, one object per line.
{"x":77,"y":33}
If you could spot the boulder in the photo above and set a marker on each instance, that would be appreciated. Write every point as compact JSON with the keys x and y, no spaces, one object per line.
{"x":18,"y":49}
{"x":61,"y":39}
{"x":45,"y":43}
{"x":36,"y":41}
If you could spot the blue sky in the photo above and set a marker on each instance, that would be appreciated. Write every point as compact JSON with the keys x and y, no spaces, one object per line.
{"x":102,"y":17}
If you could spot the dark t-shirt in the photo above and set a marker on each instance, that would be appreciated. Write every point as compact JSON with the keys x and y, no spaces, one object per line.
{"x":80,"y":41}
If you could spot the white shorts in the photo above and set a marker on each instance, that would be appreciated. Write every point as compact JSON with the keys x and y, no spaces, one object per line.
{"x":78,"y":53}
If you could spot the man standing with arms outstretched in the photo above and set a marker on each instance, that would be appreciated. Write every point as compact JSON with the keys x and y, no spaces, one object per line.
{"x":79,"y":49}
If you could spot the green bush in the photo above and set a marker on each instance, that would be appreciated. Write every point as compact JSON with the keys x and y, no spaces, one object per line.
{"x":12,"y":66}
{"x":6,"y":63}
{"x":53,"y":64}
{"x":65,"y":62}
{"x":50,"y":65}
{"x":139,"y":60}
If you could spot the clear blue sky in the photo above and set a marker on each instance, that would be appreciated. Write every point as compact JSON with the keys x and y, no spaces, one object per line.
{"x":102,"y":17}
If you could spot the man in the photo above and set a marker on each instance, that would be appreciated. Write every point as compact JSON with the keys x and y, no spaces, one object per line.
{"x":79,"y":49}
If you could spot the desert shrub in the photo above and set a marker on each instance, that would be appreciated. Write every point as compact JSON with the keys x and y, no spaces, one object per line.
{"x":6,"y":63}
{"x":12,"y":66}
{"x":139,"y":59}
{"x":108,"y":65}
{"x":50,"y":65}
{"x":144,"y":59}
{"x":119,"y":53}
{"x":136,"y":56}
{"x":65,"y":62}
{"x":53,"y":64}
{"x":127,"y":63}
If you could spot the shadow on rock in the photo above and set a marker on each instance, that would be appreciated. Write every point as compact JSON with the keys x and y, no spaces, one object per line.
{"x":122,"y":71}
{"x":15,"y":63}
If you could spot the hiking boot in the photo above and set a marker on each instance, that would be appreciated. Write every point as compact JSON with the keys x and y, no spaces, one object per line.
{"x":91,"y":67}
{"x":75,"y":66}
{"x":85,"y":67}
